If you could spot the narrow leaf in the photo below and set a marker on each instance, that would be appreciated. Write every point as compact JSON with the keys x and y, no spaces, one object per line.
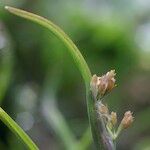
{"x":14,"y":127}
{"x":78,"y":59}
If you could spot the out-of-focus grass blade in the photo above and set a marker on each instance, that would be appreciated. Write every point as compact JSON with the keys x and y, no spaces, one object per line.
{"x":6,"y":61}
{"x":14,"y":127}
{"x":58,"y":123}
{"x":86,"y":140}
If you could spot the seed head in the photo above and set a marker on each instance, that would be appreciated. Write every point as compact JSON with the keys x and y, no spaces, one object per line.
{"x":113,"y":117}
{"x":127,"y":119}
{"x":102,"y":85}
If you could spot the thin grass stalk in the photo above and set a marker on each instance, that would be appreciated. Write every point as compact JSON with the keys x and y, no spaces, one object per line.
{"x":14,"y":127}
{"x":80,"y":63}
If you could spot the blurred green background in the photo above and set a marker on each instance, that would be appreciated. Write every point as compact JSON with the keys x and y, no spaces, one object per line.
{"x":41,"y":88}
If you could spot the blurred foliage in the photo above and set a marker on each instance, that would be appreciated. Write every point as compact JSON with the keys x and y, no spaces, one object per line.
{"x":106,"y":33}
{"x":6,"y":60}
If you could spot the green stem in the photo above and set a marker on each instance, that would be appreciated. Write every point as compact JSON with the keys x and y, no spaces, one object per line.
{"x":118,"y":131}
{"x":110,"y":132}
{"x":85,"y":141}
{"x":79,"y":61}
{"x":106,"y":134}
{"x":14,"y":127}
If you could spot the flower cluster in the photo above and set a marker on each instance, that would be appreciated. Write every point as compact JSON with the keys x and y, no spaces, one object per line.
{"x":127,"y":119}
{"x":110,"y":120}
{"x":100,"y":86}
